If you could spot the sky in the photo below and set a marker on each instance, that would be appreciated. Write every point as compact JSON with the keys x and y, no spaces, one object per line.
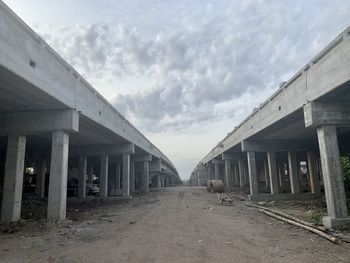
{"x":185,"y":73}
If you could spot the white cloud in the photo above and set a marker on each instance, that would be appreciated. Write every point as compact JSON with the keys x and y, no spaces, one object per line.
{"x":202,"y":63}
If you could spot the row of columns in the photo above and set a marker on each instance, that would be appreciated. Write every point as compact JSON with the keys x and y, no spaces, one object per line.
{"x":331,"y":171}
{"x":58,"y":170}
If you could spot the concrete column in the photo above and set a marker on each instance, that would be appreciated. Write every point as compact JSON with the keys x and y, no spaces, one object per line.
{"x":57,"y":200}
{"x":312,"y":170}
{"x":132,"y":177}
{"x":228,"y":175}
{"x":241,"y":174}
{"x":236,"y":169}
{"x":13,"y":180}
{"x":91,"y":173}
{"x":117,"y":177}
{"x":253,"y":175}
{"x":126,"y":174}
{"x":333,"y":178}
{"x":104,"y":176}
{"x":158,"y":183}
{"x":145,"y":178}
{"x":271,"y":162}
{"x":267,"y":174}
{"x":216,"y":171}
{"x":40,"y":179}
{"x":82,"y":177}
{"x":210,"y":174}
{"x":293,"y":173}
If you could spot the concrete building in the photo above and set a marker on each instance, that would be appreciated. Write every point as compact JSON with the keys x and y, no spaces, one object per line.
{"x":52,"y":119}
{"x":294,"y":140}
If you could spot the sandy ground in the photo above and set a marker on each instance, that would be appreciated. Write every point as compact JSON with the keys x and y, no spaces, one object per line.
{"x":169,"y":225}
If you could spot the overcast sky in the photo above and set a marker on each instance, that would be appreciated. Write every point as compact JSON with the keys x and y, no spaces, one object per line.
{"x":186,"y":72}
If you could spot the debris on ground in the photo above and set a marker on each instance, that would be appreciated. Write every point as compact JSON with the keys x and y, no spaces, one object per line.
{"x":223,"y":199}
{"x":318,"y":230}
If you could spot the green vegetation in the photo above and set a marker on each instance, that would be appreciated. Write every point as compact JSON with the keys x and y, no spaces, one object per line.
{"x":346,"y":171}
{"x":316,"y":217}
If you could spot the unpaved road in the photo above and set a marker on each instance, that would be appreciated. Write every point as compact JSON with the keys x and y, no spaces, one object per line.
{"x":170,"y":225}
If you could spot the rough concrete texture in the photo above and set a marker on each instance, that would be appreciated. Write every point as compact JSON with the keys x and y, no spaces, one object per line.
{"x":58,"y":177}
{"x":171,"y":225}
{"x":13,"y":181}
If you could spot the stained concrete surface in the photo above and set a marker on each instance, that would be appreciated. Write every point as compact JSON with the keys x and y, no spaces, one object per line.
{"x":182,"y":224}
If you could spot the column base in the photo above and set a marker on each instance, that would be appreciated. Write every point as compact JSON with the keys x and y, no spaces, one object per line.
{"x":336,"y":223}
{"x":285,"y":196}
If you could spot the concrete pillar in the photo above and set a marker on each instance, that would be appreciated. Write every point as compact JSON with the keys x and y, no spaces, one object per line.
{"x":40,"y":179}
{"x":332,"y":178}
{"x":236,"y":173}
{"x":241,"y":169}
{"x":91,"y":173}
{"x":144,"y":184}
{"x":158,"y":183}
{"x":210,"y":174}
{"x":272,"y":167}
{"x":216,"y":171}
{"x":82,"y":177}
{"x":228,"y":175}
{"x":293,"y":173}
{"x":312,"y":170}
{"x":13,"y":180}
{"x":118,"y":172}
{"x":267,"y":174}
{"x":132,"y":177}
{"x":126,"y":174}
{"x":253,"y":175}
{"x":57,"y":200}
{"x":104,"y":176}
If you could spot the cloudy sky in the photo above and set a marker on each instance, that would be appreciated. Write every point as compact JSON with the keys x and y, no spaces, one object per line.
{"x":186,"y":72}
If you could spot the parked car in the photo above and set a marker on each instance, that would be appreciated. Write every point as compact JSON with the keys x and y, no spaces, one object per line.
{"x":72,"y":188}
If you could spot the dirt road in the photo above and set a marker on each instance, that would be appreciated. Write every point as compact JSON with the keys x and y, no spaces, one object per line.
{"x":170,"y":225}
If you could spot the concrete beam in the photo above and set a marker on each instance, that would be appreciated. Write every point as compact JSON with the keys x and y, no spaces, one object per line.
{"x":216,"y":161}
{"x":326,"y":113}
{"x":231,"y":156}
{"x":97,"y":150}
{"x":142,"y":158}
{"x":156,"y":166}
{"x":39,"y":121}
{"x":276,"y":145}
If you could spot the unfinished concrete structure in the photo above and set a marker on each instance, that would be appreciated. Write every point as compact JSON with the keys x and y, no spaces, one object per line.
{"x":199,"y":176}
{"x":52,"y":119}
{"x":295,"y":138}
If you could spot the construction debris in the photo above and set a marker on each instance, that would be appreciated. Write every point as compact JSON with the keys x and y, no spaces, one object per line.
{"x":309,"y":228}
{"x":223,"y":199}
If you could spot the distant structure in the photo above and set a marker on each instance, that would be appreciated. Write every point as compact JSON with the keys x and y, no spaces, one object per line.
{"x":199,"y":176}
